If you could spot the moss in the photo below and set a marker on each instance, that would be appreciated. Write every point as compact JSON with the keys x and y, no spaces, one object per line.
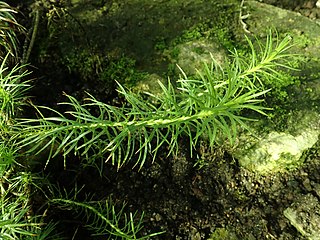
{"x":83,"y":63}
{"x":160,"y":44}
{"x":91,"y":30}
{"x":206,"y":30}
{"x":222,"y":234}
{"x":90,"y":66}
{"x":122,"y":70}
{"x":280,"y":94}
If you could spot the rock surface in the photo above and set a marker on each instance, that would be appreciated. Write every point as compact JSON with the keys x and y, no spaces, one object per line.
{"x":192,"y":55}
{"x":304,"y":215}
{"x":305,"y":32}
{"x":279,"y":151}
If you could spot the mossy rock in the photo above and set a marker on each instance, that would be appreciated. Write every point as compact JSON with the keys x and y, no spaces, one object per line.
{"x":150,"y":84}
{"x":193,"y":55}
{"x":270,"y":149}
{"x":304,"y":31}
{"x":102,"y":31}
{"x":270,"y":152}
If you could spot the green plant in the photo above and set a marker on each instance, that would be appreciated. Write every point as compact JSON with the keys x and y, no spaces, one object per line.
{"x":160,"y":44}
{"x":211,"y":106}
{"x":8,"y":28}
{"x":16,"y":218}
{"x":13,"y":87}
{"x":104,"y":219}
{"x":201,"y":30}
{"x":122,"y":70}
{"x":206,"y":106}
{"x":83,"y":63}
{"x":18,"y":221}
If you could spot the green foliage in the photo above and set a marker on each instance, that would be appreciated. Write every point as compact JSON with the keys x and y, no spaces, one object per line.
{"x":205,"y":30}
{"x":16,"y":219}
{"x":201,"y":31}
{"x":7,"y":155}
{"x":103,"y":219}
{"x":160,"y":44}
{"x":280,"y":82}
{"x":8,"y":28}
{"x":90,"y":66}
{"x":209,"y":106}
{"x":267,"y":64}
{"x":12,"y":92}
{"x":83,"y":63}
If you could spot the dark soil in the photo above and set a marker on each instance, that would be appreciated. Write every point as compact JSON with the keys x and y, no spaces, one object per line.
{"x":189,"y":203}
{"x":176,"y":197}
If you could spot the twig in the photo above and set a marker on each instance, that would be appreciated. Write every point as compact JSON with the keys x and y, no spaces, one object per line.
{"x":242,"y":17}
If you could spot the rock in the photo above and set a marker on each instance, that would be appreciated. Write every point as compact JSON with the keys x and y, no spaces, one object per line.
{"x":305,"y":32}
{"x":279,"y":151}
{"x":308,"y":4}
{"x":192,"y":55}
{"x":304,"y":215}
{"x":150,"y":84}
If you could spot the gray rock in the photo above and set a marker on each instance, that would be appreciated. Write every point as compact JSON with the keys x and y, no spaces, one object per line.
{"x":305,"y":32}
{"x":304,"y":215}
{"x":272,"y":152}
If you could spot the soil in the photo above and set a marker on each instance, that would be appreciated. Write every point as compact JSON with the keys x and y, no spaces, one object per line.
{"x":187,"y":202}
